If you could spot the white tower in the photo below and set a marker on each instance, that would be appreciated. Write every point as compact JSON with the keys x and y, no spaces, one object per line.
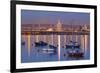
{"x":59,"y":26}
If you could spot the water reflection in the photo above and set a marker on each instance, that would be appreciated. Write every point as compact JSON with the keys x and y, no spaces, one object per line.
{"x":31,"y":53}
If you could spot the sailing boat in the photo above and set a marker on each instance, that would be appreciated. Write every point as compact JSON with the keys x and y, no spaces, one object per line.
{"x":74,"y":49}
{"x":46,"y":47}
{"x":73,"y":44}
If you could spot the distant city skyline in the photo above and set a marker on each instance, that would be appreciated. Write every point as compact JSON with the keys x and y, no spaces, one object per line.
{"x":52,"y":17}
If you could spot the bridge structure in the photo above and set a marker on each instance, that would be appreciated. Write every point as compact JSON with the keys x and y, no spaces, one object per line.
{"x":43,"y":32}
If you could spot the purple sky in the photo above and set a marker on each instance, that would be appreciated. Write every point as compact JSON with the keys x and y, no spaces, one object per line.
{"x":51,"y":17}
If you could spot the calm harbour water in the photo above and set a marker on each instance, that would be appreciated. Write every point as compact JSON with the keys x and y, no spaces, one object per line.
{"x":30,"y":53}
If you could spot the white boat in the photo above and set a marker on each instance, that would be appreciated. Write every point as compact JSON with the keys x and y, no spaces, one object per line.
{"x":49,"y":50}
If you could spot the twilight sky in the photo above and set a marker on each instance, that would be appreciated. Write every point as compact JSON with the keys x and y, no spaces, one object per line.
{"x":51,"y":17}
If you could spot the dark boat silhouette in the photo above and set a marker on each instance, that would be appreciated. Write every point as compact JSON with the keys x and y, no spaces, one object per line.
{"x":73,"y":45}
{"x":52,"y":46}
{"x":75,"y":54}
{"x":40,"y":43}
{"x":75,"y":50}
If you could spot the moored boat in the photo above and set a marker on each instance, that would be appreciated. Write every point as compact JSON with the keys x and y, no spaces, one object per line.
{"x":40,"y":43}
{"x":73,"y":45}
{"x":75,"y":54}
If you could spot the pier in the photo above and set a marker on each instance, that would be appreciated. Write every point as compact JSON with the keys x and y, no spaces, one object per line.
{"x":25,"y":32}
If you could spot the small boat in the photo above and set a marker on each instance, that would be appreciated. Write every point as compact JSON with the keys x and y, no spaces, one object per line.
{"x":40,"y":43}
{"x":73,"y":45}
{"x":74,"y":50}
{"x":75,"y":54}
{"x":49,"y":51}
{"x":52,"y":46}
